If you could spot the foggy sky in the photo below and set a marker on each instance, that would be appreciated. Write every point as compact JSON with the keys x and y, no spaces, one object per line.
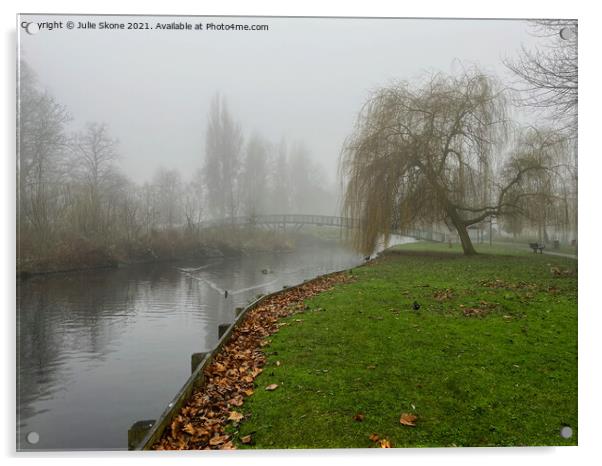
{"x":304,"y":79}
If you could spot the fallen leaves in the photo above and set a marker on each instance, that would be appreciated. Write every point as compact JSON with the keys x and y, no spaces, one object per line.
{"x":497,"y":283}
{"x":481,"y":310}
{"x":237,"y":400}
{"x":408,"y":419}
{"x":235,"y":416}
{"x":247,"y":439}
{"x":558,"y":272}
{"x":201,"y":422}
{"x":474,"y":312}
{"x":219,"y":367}
{"x":218,"y":440}
{"x":359,"y":417}
{"x":380,"y":443}
{"x":189,"y":429}
{"x":443,"y":295}
{"x":271,"y":387}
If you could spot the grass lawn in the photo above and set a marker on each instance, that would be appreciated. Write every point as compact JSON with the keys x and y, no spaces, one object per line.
{"x":489,"y":359}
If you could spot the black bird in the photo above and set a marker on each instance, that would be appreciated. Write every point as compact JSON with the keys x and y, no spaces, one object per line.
{"x":226,"y":294}
{"x":367,"y":258}
{"x":416,"y":305}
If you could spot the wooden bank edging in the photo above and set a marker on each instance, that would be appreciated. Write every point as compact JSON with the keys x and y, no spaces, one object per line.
{"x":197,"y":377}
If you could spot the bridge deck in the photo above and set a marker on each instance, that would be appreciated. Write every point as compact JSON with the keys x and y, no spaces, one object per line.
{"x":319,"y":220}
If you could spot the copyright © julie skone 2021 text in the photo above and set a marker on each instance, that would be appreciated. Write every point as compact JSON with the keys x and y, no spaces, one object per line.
{"x":36,"y":26}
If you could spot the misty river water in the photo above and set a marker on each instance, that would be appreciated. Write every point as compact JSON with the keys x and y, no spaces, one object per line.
{"x":101,"y":349}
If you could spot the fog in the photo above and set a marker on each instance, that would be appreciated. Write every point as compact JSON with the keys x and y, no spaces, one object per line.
{"x":132,"y":139}
{"x":303,"y":80}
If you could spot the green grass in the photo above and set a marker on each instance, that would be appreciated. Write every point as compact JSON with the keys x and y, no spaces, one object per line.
{"x":524,"y":243}
{"x":508,"y":378}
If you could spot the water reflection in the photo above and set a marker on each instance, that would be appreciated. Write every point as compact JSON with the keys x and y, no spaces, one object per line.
{"x":99,"y":350}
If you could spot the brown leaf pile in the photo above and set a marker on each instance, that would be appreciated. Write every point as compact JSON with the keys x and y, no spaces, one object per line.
{"x":474,"y":312}
{"x":558,"y":272}
{"x":519,"y":285}
{"x":380,"y":442}
{"x":201,"y":422}
{"x":443,"y":295}
{"x":481,"y":310}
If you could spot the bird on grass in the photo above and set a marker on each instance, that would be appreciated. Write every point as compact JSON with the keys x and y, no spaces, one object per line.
{"x":416,"y":305}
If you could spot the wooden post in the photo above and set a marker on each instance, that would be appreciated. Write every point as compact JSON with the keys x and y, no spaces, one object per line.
{"x":137,"y":432}
{"x":195,"y":360}
{"x":221,"y":329}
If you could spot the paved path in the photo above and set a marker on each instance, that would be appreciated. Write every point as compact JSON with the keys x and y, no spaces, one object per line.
{"x":561,"y":254}
{"x":546,"y":251}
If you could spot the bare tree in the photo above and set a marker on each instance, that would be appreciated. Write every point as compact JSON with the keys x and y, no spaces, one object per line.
{"x":254,"y":176}
{"x":222,"y":160}
{"x":548,"y":75}
{"x":42,"y":143}
{"x":424,"y":155}
{"x":94,"y":155}
{"x":193,"y":202}
{"x":309,"y":190}
{"x":548,"y":81}
{"x":168,"y":189}
{"x":121,"y":209}
{"x":540,"y":196}
{"x":300,"y":177}
{"x":279,"y":181}
{"x":149,"y":209}
{"x":129,"y":214}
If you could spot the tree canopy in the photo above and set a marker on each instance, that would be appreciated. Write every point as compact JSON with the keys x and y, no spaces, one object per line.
{"x":548,"y":76}
{"x":428,"y":154}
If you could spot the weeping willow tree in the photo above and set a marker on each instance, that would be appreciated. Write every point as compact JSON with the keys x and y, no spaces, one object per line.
{"x":543,"y":196}
{"x":426,"y":154}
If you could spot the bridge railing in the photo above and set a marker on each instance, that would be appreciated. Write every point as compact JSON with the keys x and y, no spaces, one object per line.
{"x":320,"y":220}
{"x":296,"y":219}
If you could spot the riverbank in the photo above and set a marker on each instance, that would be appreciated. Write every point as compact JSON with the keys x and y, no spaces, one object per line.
{"x":151,"y":317}
{"x":489,"y":358}
{"x":79,"y":254}
{"x":208,"y":402}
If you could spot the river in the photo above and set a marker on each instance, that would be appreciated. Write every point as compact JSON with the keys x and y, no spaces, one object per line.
{"x":101,"y":349}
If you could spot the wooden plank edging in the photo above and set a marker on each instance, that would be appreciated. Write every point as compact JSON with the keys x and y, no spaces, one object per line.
{"x":197,"y":378}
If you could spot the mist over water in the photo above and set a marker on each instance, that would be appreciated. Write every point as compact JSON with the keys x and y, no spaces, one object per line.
{"x":102,"y":349}
{"x":161,"y":143}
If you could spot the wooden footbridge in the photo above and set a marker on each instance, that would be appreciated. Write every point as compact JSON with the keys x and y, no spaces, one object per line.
{"x":297,"y":221}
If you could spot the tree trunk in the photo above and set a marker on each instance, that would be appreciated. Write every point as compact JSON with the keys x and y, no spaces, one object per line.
{"x":467,"y":246}
{"x":460,"y":226}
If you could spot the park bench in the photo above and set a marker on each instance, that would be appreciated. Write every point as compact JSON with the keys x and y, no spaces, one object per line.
{"x":537,"y":247}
